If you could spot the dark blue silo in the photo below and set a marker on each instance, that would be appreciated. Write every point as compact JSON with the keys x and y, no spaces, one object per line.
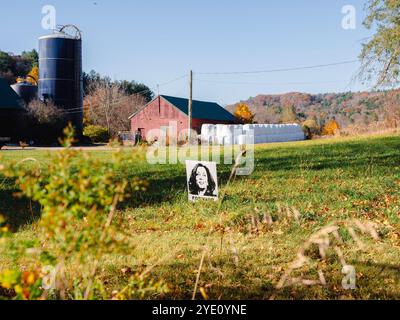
{"x":60,"y":74}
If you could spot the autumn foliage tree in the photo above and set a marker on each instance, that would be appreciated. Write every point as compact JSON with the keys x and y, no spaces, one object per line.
{"x":331,"y":128}
{"x":381,"y":55}
{"x":33,"y":76}
{"x":311,"y":128}
{"x":243,"y":113}
{"x":289,"y":114}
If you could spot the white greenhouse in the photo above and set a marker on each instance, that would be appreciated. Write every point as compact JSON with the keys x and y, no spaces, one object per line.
{"x":259,"y":133}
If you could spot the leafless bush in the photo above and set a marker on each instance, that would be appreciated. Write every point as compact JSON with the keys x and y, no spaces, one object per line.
{"x":45,"y":113}
{"x":108,"y":106}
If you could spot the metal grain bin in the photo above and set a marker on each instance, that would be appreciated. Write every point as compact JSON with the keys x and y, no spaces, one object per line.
{"x":26,"y":91}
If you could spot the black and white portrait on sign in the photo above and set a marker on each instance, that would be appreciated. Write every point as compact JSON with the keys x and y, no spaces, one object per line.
{"x":202,"y":180}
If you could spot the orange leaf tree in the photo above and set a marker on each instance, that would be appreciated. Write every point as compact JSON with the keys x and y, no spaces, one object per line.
{"x":243,"y":113}
{"x":331,"y":128}
{"x":33,"y":76}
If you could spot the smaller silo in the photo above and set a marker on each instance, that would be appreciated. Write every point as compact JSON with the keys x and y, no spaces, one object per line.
{"x":26,"y":91}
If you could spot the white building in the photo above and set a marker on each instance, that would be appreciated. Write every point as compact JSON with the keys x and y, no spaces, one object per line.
{"x":259,"y":133}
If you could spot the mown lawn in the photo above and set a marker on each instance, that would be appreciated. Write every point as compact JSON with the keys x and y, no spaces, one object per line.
{"x":244,"y":258}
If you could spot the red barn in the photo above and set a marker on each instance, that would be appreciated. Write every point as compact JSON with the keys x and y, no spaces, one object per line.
{"x":163,"y":109}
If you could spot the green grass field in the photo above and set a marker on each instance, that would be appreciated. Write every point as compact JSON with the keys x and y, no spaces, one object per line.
{"x":320,"y":181}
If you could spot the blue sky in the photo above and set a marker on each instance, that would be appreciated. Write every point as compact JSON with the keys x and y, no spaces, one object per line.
{"x":154,"y":41}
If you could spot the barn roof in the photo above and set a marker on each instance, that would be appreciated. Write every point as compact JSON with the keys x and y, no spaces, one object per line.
{"x":201,"y":109}
{"x":9,"y":99}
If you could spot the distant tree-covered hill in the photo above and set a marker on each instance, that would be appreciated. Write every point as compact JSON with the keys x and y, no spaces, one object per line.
{"x":347,"y":108}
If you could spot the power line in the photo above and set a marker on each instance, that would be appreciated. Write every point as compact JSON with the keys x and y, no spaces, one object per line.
{"x":79,"y":110}
{"x":173,"y":80}
{"x":270,"y":84}
{"x":364,"y":39}
{"x":280,"y":70}
{"x":74,"y":112}
{"x":73,"y":109}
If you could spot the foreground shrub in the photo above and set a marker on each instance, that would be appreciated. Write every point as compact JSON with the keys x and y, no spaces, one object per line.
{"x":97,"y":134}
{"x":79,"y":227}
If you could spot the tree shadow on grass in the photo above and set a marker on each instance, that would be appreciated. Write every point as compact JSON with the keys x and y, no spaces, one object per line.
{"x":17,"y":211}
{"x":316,"y":158}
{"x":168,"y":185}
{"x":165,"y":189}
{"x":294,"y":163}
{"x":180,"y":276}
{"x":20,"y":211}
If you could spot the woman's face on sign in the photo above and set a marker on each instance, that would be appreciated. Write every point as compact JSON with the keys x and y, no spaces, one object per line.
{"x":201,"y":178}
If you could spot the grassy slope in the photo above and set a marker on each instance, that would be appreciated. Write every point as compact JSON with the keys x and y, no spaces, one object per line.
{"x":325,"y":181}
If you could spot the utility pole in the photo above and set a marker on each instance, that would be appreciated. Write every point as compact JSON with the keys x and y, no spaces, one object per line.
{"x":190,"y":107}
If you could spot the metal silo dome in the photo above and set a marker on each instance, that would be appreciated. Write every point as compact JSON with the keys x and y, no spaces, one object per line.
{"x":26,"y":91}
